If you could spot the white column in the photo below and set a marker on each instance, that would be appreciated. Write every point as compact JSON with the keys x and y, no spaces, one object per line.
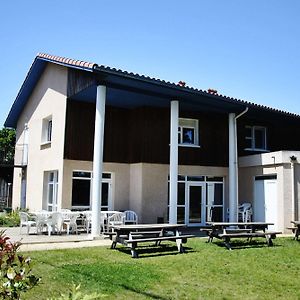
{"x":233,"y":170}
{"x":98,"y":159}
{"x":293,"y":190}
{"x":173,"y":161}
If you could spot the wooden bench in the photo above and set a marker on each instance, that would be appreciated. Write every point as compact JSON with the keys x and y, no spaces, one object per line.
{"x":216,"y":233}
{"x":295,"y":230}
{"x":133,"y":242}
{"x":268,"y":235}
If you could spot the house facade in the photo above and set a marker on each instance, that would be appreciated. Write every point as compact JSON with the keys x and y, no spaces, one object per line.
{"x":92,"y":137}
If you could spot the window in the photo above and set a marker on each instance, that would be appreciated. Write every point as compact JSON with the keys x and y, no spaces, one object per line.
{"x":256,"y":138}
{"x":52,"y":189}
{"x":188,"y":134}
{"x":82,"y":190}
{"x":191,"y":208}
{"x":47,"y":130}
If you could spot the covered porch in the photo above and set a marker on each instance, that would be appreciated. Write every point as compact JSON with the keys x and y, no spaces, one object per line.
{"x":111,"y":88}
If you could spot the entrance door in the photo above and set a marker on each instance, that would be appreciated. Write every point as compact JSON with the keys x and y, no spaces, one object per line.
{"x":195,"y":212}
{"x":265,"y":200}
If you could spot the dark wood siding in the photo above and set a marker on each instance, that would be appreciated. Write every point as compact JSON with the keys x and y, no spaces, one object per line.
{"x":80,"y":126}
{"x":282,"y":132}
{"x":143,"y":135}
{"x":79,"y":133}
{"x":213,"y":140}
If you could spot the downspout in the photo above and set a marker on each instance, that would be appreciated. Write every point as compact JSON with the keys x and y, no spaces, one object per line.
{"x":242,"y":113}
{"x":293,"y":210}
{"x":233,"y":166}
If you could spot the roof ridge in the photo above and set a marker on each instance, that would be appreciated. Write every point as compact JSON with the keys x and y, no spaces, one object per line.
{"x":91,"y":66}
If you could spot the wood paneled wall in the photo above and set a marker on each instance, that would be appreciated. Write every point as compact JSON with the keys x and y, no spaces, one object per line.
{"x":143,"y":135}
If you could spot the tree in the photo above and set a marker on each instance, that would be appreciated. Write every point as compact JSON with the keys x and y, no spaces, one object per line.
{"x":7,"y":145}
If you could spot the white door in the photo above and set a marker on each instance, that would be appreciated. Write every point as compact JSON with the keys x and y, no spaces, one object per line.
{"x":265,"y":200}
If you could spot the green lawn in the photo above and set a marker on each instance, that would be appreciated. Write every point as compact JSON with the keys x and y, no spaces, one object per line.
{"x":206,"y":271}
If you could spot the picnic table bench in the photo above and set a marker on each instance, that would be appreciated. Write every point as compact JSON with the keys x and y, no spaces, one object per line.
{"x":133,"y":235}
{"x":295,"y":229}
{"x":249,"y":230}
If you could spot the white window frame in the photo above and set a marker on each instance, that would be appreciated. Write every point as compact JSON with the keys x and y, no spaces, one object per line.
{"x":47,"y":130}
{"x":204,"y":181}
{"x":104,"y":180}
{"x":54,"y":183}
{"x":253,"y":140}
{"x":188,"y":124}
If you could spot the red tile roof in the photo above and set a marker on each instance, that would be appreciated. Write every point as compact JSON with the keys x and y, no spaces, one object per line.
{"x":210,"y":92}
{"x":67,"y":61}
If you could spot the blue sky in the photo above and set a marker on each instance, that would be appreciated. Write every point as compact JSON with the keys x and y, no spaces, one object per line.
{"x":246,"y":49}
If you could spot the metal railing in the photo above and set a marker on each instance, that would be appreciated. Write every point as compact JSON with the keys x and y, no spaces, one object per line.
{"x":5,"y":194}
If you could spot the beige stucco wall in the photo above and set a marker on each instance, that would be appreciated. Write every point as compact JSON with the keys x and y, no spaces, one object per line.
{"x":149,"y":187}
{"x":48,"y":98}
{"x":120,"y":181}
{"x":275,"y":163}
{"x":140,"y":187}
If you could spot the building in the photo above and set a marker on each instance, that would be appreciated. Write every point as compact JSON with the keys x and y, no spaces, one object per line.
{"x":168,"y":151}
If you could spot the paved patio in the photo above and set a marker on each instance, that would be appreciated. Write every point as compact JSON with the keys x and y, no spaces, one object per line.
{"x":33,"y":242}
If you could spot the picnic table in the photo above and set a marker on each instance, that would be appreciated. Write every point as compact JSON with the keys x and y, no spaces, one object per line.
{"x":295,"y":229}
{"x":134,"y":234}
{"x":249,"y":230}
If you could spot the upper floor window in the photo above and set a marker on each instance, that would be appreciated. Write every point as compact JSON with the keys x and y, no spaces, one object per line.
{"x":47,"y":130}
{"x":188,"y":132}
{"x":256,"y":138}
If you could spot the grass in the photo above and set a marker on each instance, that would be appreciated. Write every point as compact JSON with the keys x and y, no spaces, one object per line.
{"x":206,"y":271}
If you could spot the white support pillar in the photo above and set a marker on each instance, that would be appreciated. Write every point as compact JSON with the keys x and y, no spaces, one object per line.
{"x":173,"y":162}
{"x":233,"y":169}
{"x":98,"y":159}
{"x":293,"y":191}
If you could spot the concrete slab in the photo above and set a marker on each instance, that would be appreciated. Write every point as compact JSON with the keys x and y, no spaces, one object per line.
{"x":34,"y":242}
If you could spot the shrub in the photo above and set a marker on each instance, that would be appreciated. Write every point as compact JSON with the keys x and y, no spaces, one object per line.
{"x":15,"y":270}
{"x":11,"y":219}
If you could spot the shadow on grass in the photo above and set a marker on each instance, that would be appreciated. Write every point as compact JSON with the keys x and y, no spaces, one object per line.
{"x":148,"y":294}
{"x":155,"y":251}
{"x":236,"y":245}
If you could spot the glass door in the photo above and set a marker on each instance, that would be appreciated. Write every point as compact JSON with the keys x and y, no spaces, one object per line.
{"x":196,"y":204}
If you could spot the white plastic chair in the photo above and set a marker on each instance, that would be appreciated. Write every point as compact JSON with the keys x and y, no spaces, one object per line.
{"x":245,"y":212}
{"x":25,"y":222}
{"x":88,"y":221}
{"x":115,"y":219}
{"x":130,"y":217}
{"x":70,"y":220}
{"x":41,"y":218}
{"x":65,"y":213}
{"x":55,"y":223}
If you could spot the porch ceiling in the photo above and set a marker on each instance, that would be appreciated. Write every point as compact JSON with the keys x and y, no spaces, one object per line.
{"x":135,"y":94}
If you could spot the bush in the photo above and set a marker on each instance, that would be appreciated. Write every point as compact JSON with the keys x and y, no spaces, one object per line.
{"x":11,"y":219}
{"x":15,"y":270}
